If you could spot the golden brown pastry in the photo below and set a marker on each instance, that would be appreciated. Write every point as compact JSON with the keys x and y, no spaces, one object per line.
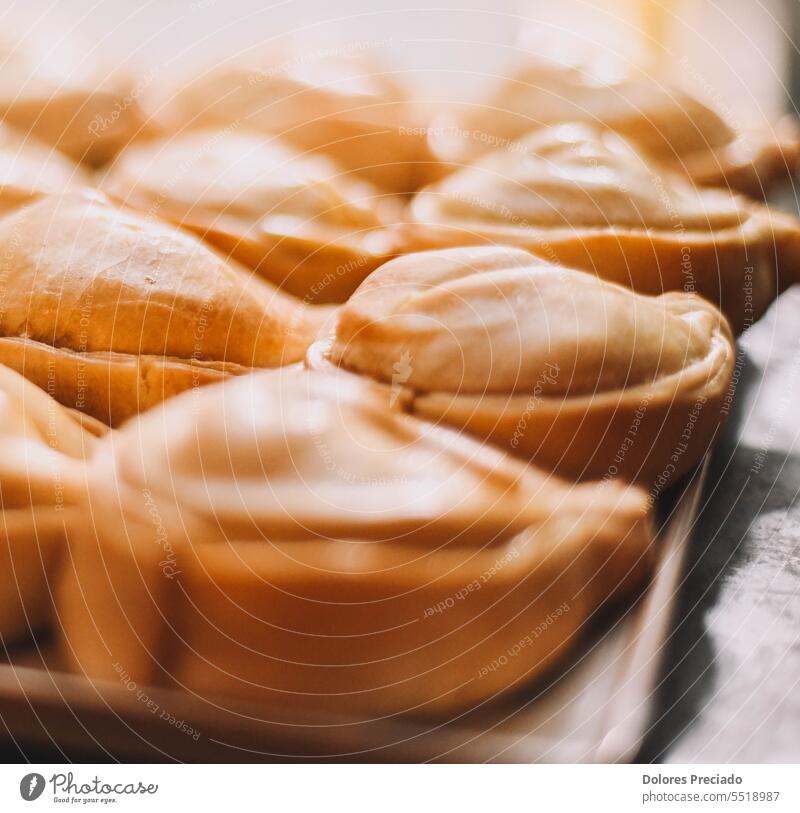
{"x":345,"y":105}
{"x":29,"y":170}
{"x":297,"y":219}
{"x":112,"y":312}
{"x":581,"y":196}
{"x":674,"y":128}
{"x":52,"y":87}
{"x":41,"y":442}
{"x":584,"y":377}
{"x":752,"y":162}
{"x":317,"y":548}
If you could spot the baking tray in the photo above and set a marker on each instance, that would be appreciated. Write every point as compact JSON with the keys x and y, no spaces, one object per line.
{"x":595,"y":708}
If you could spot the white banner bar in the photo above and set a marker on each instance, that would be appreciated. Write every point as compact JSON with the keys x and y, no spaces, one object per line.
{"x":401,"y":788}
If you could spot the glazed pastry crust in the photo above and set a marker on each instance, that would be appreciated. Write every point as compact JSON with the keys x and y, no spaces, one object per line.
{"x":287,"y":598}
{"x":740,"y":270}
{"x":584,"y":377}
{"x":114,"y":312}
{"x":297,"y":219}
{"x":109,"y":386}
{"x":752,"y":162}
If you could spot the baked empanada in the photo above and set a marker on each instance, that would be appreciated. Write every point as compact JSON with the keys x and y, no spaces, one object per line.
{"x":112,"y":311}
{"x":671,"y":126}
{"x":41,"y":443}
{"x":294,"y":218}
{"x":54,"y":88}
{"x":584,"y":377}
{"x":581,"y":196}
{"x":347,"y":106}
{"x":288,"y":537}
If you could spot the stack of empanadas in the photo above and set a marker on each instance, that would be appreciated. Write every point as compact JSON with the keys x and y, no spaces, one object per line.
{"x":288,"y":537}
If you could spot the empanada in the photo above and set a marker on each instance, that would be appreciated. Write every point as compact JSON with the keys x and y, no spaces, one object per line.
{"x":345,"y":105}
{"x":296,"y":219}
{"x":580,"y":196}
{"x":54,"y":88}
{"x":286,"y":536}
{"x":582,"y":376}
{"x":30,"y":170}
{"x":112,"y":311}
{"x":674,"y":128}
{"x":41,"y":443}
